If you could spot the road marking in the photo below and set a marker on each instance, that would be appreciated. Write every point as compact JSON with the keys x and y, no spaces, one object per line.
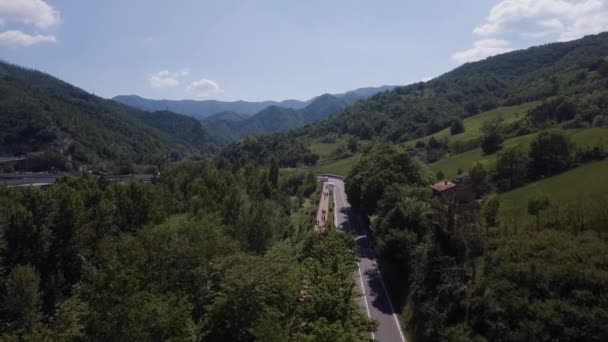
{"x":369,"y":315}
{"x":390,"y":302}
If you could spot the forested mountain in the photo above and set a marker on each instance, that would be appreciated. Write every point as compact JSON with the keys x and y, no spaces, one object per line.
{"x":40,"y":113}
{"x":207,"y":108}
{"x":204,"y":109}
{"x":279,"y":119}
{"x":575,"y":70}
{"x":569,"y":79}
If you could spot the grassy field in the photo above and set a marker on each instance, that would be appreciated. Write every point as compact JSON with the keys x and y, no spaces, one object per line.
{"x":584,"y":183}
{"x":339,"y":167}
{"x":473,"y":124}
{"x":450,"y":165}
{"x":324,"y":150}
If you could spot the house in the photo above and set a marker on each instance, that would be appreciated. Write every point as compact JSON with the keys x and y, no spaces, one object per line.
{"x":445,"y":189}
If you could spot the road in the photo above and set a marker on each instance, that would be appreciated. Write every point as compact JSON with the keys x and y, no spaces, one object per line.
{"x":375,"y":300}
{"x":17,"y":179}
{"x":322,"y":212}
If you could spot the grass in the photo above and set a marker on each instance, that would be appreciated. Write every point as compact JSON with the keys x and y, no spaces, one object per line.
{"x":339,"y":167}
{"x":585,"y":183}
{"x":324,"y":150}
{"x":582,"y":137}
{"x":473,"y":124}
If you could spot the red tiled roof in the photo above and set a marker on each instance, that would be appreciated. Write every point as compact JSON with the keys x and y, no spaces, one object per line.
{"x":443,"y":186}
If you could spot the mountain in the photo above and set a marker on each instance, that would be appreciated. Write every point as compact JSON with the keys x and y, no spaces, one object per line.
{"x":227,"y":116}
{"x":204,"y":109}
{"x":40,"y":113}
{"x":572,"y":70}
{"x":568,"y":79}
{"x":279,"y":119}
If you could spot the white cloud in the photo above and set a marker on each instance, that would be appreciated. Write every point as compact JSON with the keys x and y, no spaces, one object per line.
{"x":18,"y":38}
{"x":204,"y":88}
{"x":165,"y":79}
{"x":481,"y":49}
{"x":567,"y":19}
{"x":31,"y":12}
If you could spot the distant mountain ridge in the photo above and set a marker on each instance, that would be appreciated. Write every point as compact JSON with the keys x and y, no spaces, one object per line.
{"x":206,"y":108}
{"x":231,"y":120}
{"x":203,"y":109}
{"x":279,"y":119}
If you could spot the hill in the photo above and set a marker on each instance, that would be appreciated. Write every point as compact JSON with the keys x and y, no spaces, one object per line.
{"x":575,"y":71}
{"x":207,"y":108}
{"x":41,"y":113}
{"x":204,"y":109}
{"x":279,"y":119}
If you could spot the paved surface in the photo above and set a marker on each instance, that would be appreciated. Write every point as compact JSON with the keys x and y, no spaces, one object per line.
{"x":375,"y":300}
{"x":322,"y":212}
{"x":18,"y":179}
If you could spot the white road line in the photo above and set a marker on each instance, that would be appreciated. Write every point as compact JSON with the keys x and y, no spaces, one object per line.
{"x":390,"y":302}
{"x":369,"y":315}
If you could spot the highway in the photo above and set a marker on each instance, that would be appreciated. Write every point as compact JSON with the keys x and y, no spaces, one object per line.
{"x":46,"y":179}
{"x":375,"y":300}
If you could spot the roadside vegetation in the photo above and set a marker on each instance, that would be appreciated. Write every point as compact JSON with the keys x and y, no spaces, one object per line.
{"x":462,"y":272}
{"x":208,"y":252}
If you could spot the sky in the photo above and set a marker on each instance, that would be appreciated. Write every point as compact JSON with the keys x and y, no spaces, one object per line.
{"x":275,"y":49}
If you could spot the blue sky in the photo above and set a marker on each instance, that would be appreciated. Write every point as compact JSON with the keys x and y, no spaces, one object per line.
{"x":262,"y":50}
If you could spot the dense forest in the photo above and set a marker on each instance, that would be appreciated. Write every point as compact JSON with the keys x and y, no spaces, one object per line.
{"x":457,"y":273}
{"x":39,"y":113}
{"x":208,"y":252}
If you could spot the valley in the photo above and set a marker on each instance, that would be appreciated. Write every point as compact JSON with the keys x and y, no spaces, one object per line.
{"x":467,"y":207}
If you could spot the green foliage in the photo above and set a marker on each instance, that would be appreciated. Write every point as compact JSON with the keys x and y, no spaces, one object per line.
{"x":454,"y":280}
{"x":22,"y":302}
{"x":457,"y":126}
{"x":40,"y":113}
{"x":205,"y":252}
{"x":490,"y":211}
{"x":550,"y":153}
{"x":511,"y":168}
{"x":379,"y":167}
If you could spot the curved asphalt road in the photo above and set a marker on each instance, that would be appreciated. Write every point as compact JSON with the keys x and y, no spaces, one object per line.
{"x":375,"y":300}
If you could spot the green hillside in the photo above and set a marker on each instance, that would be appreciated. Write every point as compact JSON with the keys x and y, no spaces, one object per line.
{"x":583,"y":185}
{"x":474,"y":123}
{"x":41,"y":113}
{"x":587,"y":137}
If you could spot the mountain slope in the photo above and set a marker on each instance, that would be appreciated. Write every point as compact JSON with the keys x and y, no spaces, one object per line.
{"x":204,"y":109}
{"x":39,"y":112}
{"x":572,"y":69}
{"x":279,"y":119}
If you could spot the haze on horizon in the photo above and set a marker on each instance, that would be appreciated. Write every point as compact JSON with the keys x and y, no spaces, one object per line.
{"x":274,"y":50}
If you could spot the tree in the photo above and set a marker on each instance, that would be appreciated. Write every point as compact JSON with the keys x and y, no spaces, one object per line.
{"x":22,"y":299}
{"x":433,"y":143}
{"x":512,"y":168}
{"x":379,"y":167}
{"x":479,"y":180}
{"x":353,"y":144}
{"x":273,"y":174}
{"x":491,"y":143}
{"x":492,"y":135}
{"x":550,"y":153}
{"x":490,"y":211}
{"x":457,"y":126}
{"x":535,"y":206}
{"x":440,"y":175}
